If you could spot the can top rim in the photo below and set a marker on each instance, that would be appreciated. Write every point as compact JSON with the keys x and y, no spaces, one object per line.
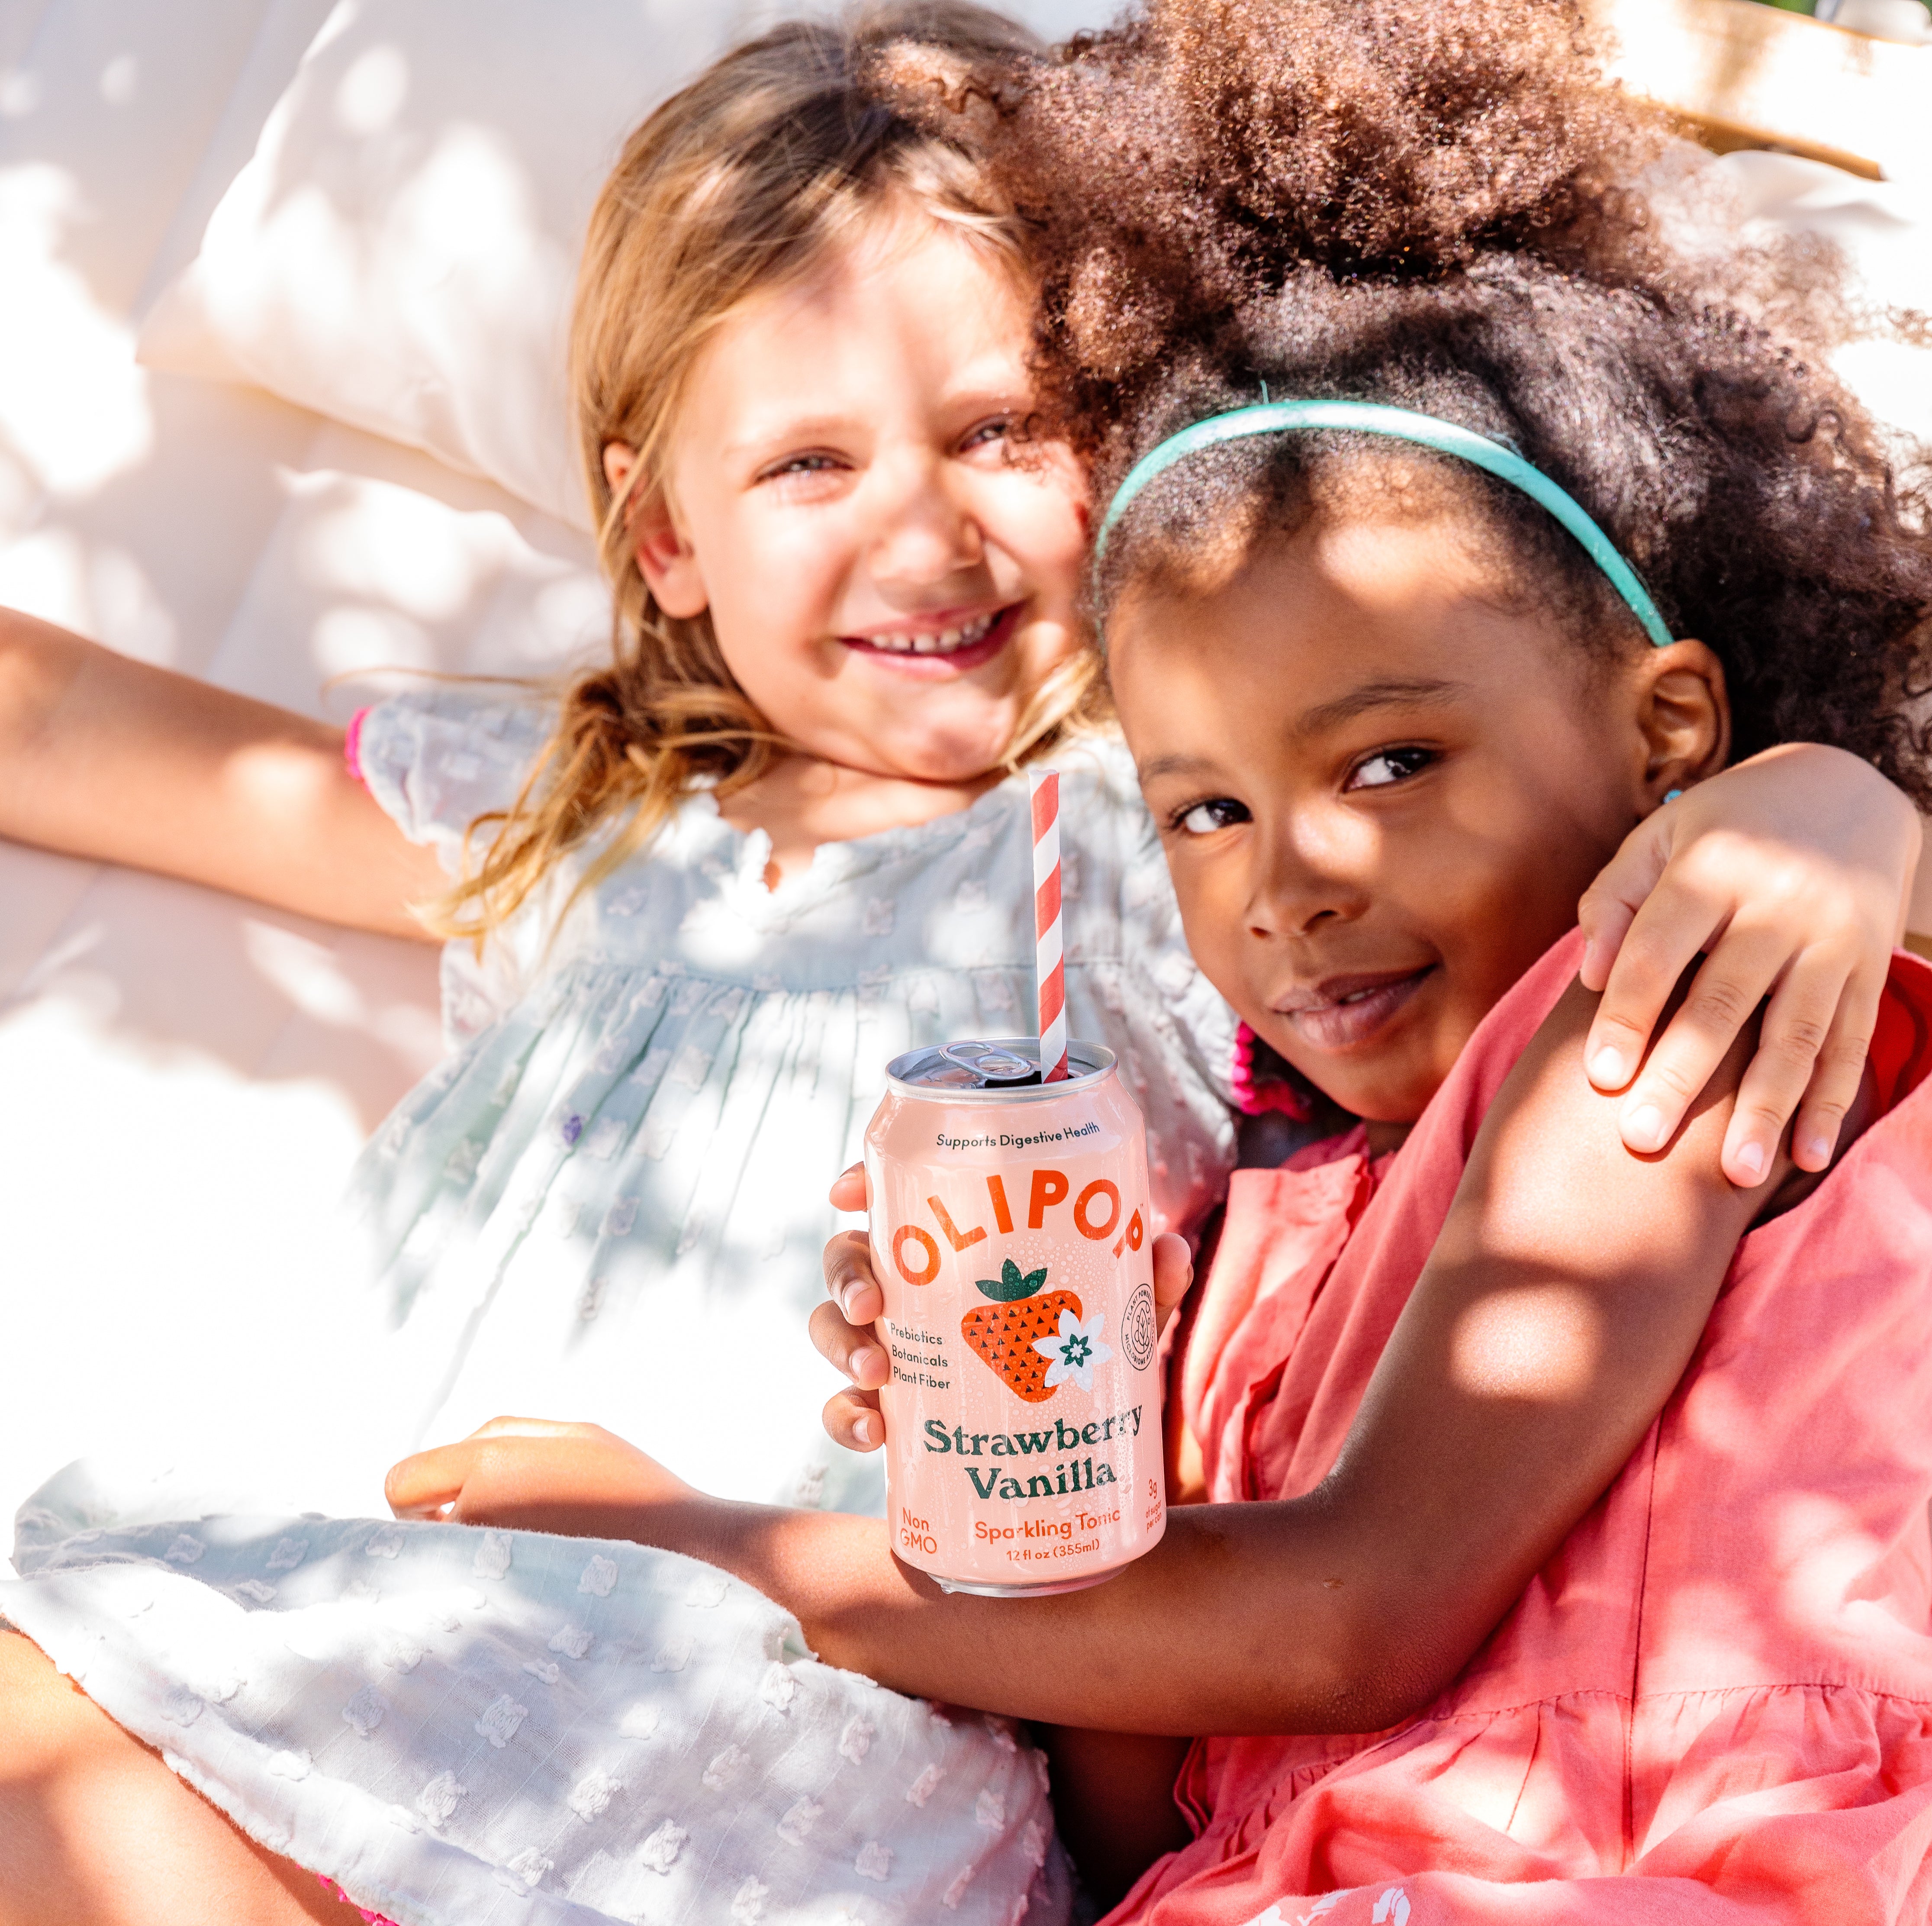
{"x":1087,"y":1064}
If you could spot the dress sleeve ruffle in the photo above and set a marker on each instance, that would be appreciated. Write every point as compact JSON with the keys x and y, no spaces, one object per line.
{"x":437,"y":759}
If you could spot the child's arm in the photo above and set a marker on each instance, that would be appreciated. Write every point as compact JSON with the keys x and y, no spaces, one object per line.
{"x":106,"y":758}
{"x":1563,"y":1300}
{"x":1793,"y":871}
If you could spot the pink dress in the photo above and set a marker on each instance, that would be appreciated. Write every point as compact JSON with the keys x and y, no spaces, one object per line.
{"x":1715,"y":1702}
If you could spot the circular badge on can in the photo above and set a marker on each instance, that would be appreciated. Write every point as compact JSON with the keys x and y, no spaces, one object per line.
{"x":1137,"y":1328}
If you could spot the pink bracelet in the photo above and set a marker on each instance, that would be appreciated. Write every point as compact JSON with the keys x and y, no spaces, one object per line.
{"x":352,"y":747}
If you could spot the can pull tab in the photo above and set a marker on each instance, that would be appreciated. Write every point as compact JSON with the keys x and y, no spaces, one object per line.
{"x":991,"y":1064}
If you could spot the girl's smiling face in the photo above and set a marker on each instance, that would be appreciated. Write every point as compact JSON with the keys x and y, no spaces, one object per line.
{"x":885,"y":583}
{"x":1383,"y":777}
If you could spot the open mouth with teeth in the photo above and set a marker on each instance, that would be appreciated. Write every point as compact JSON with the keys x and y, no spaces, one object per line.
{"x":964,"y":645}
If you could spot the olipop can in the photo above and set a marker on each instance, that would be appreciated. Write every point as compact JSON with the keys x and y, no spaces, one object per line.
{"x":1010,"y":1234}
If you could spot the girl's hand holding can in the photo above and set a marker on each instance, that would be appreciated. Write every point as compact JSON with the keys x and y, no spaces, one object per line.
{"x":841,"y":1328}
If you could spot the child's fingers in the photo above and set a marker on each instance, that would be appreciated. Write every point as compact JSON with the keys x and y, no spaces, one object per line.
{"x":1797,"y":1021}
{"x":425,"y":1484}
{"x":849,"y":1279}
{"x":1610,"y":905}
{"x":853,"y":1419}
{"x":849,"y":1348}
{"x":1173,"y":1272}
{"x":1730,"y":984}
{"x":1671,"y":924}
{"x":1840,"y":1067}
{"x":848,"y":1188}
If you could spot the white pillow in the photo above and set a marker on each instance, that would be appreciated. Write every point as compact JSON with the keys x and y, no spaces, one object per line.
{"x":400,"y":252}
{"x":1885,"y":229}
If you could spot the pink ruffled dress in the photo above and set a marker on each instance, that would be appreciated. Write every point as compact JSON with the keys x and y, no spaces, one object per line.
{"x":1715,"y":1703}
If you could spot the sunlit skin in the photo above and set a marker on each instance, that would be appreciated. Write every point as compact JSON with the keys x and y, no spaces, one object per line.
{"x":1381,"y":787}
{"x":841,"y":472}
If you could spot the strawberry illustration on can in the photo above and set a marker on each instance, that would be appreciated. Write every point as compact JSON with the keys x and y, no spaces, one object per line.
{"x":1036,"y":1342}
{"x":1010,"y":1234}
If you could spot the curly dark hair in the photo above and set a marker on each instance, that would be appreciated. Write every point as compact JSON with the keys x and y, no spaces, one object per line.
{"x":1445,"y":207}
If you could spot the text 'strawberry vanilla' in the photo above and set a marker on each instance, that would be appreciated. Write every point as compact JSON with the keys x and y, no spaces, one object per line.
{"x":1010,"y":1233}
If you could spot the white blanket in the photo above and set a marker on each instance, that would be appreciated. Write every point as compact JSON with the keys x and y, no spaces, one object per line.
{"x":185,"y":1079}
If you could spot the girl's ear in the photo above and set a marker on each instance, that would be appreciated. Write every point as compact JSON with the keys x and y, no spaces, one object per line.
{"x":665,"y":557}
{"x":1684,"y":718}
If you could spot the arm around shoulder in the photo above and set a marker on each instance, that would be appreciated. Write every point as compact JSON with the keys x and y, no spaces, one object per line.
{"x":1562,"y":1301}
{"x":114,"y":760}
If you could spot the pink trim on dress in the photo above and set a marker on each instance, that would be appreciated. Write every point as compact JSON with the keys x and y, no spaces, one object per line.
{"x":1252,"y":1099}
{"x":369,"y":1918}
{"x":352,"y":747}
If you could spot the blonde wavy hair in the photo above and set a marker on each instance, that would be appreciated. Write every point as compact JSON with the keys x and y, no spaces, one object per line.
{"x":745,"y":180}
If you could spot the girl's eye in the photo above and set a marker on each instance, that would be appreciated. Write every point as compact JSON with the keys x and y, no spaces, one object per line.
{"x":987,"y":432}
{"x":1388,"y":765}
{"x":1218,"y":812}
{"x":801,"y":464}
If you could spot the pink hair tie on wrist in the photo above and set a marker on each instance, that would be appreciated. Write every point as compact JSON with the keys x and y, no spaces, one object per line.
{"x":352,"y":747}
{"x":1252,"y":1099}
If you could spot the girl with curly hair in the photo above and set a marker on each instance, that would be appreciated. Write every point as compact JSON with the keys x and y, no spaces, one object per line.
{"x":1566,"y":1553}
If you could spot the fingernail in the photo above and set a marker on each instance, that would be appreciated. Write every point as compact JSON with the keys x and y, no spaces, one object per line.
{"x":1608,"y":1070}
{"x":1643,"y":1129}
{"x":1817,"y":1152}
{"x":862,"y":1428}
{"x":1750,"y":1159}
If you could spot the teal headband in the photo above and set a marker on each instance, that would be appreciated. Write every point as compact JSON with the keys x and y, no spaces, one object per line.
{"x":1405,"y":425}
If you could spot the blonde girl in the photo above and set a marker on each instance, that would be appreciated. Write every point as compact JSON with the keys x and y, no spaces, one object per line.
{"x":694,"y":901}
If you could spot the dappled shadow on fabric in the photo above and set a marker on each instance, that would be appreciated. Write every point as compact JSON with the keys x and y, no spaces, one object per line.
{"x":437,"y":1716}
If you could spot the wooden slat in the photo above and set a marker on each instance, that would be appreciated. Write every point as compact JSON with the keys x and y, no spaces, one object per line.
{"x":1745,"y":75}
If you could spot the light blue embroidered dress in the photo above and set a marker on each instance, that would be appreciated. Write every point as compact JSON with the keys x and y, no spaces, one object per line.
{"x":473,"y":1728}
{"x":609,"y":1203}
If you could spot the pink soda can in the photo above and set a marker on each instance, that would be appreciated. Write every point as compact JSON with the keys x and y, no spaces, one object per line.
{"x":1010,"y":1233}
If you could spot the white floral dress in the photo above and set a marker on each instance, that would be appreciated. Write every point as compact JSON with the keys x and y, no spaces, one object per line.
{"x":470,"y":1728}
{"x":609,"y":1203}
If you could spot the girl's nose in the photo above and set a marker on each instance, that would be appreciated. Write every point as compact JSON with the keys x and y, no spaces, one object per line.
{"x":924,"y":536}
{"x":1305,"y":879}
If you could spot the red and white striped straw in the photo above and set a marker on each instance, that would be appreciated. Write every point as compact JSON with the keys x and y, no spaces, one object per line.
{"x":1047,"y":971}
